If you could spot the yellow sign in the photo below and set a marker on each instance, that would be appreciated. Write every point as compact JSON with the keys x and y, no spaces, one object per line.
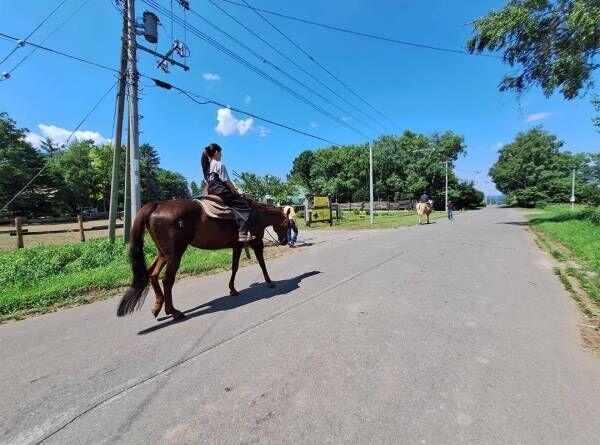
{"x":321,"y":201}
{"x":320,"y":215}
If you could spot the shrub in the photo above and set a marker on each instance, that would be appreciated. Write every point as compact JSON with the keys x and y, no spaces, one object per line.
{"x":591,"y":214}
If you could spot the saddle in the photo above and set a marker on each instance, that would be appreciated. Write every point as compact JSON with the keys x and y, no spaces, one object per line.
{"x":214,"y":207}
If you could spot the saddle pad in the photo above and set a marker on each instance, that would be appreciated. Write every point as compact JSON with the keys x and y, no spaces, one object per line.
{"x":215,"y":210}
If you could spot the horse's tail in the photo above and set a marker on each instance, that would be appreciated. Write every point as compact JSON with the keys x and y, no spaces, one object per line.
{"x":134,"y":296}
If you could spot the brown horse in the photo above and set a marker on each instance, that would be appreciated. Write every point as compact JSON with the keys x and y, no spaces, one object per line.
{"x":173,"y":226}
{"x":424,"y":208}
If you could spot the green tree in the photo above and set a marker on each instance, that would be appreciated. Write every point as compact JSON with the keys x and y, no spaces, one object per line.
{"x":532,"y":169}
{"x":195,"y":189}
{"x":301,"y":169}
{"x":80,"y":187}
{"x":149,"y":181}
{"x":554,"y":43}
{"x":102,"y":158}
{"x":251,"y":184}
{"x":19,"y":163}
{"x":171,"y":185}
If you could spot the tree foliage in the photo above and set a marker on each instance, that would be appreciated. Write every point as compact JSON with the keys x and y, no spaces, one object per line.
{"x":555,"y":42}
{"x":75,"y":176}
{"x":533,"y":170}
{"x":19,"y":162}
{"x":268,"y":186}
{"x":403,"y":167}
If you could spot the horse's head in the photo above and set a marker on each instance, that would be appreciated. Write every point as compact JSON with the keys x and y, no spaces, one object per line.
{"x":273,"y":216}
{"x":280,"y":226}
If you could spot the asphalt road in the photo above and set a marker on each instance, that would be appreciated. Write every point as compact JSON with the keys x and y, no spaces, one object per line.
{"x":448,"y":333}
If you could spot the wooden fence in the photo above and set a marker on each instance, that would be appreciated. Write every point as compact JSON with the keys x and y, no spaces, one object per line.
{"x":407,"y":204}
{"x":19,"y":232}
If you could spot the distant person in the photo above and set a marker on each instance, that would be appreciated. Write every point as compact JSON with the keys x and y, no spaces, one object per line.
{"x":450,"y":210}
{"x":290,"y":213}
{"x":424,"y":198}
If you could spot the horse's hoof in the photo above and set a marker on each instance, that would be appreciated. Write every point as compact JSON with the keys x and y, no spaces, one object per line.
{"x":233,"y":293}
{"x":155,"y":311}
{"x":178,"y":315}
{"x":271,"y":285}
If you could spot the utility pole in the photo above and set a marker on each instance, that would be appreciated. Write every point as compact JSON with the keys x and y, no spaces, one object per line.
{"x":371,"y":183}
{"x":446,"y":162}
{"x":573,"y":192}
{"x":114,"y":186}
{"x":134,"y":136}
{"x":127,"y":195}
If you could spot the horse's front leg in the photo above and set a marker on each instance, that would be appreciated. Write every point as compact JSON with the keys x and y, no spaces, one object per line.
{"x":259,"y":252}
{"x":235,"y":264}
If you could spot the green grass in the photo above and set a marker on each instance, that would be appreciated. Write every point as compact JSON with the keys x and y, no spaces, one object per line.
{"x":579,"y":235}
{"x":38,"y":279}
{"x":383,"y":220}
{"x":572,"y":236}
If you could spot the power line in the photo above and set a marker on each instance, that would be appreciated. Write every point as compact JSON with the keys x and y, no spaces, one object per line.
{"x":249,"y":65}
{"x":261,"y":57}
{"x":206,"y":100}
{"x":320,"y":65}
{"x":70,"y":56}
{"x":308,"y":73}
{"x":49,"y":35}
{"x":66,"y":142}
{"x":166,"y":86}
{"x":362,"y":34}
{"x":34,"y":30}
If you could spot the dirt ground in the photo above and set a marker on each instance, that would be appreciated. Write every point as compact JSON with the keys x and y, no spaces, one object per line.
{"x":8,"y":242}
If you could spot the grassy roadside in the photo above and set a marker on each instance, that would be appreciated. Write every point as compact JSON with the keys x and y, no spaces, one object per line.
{"x":42,"y":279}
{"x":572,"y":238}
{"x":383,"y":220}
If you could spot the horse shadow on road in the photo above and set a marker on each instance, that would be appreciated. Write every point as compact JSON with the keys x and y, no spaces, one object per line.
{"x":256,"y":292}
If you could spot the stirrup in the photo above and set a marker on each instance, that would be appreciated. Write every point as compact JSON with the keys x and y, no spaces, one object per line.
{"x":243,"y":238}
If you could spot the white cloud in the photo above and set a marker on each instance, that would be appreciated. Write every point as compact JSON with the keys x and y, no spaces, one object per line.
{"x":537,"y":117}
{"x":346,"y":118}
{"x":497,"y":146}
{"x":34,"y":139}
{"x":263,"y":131}
{"x":211,"y":76}
{"x":313,"y":124}
{"x":229,"y":125}
{"x":248,"y":99}
{"x":60,"y":135}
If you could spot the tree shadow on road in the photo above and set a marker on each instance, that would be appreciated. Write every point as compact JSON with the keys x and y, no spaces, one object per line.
{"x":256,"y":291}
{"x":515,"y":223}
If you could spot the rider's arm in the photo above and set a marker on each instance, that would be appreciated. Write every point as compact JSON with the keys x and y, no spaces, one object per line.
{"x":231,"y":186}
{"x":225,"y":178}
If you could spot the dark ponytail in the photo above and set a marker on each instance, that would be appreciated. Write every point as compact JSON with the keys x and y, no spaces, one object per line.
{"x":207,"y":155}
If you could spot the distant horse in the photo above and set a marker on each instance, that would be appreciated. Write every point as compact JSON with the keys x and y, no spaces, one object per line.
{"x":173,"y":226}
{"x":424,"y":208}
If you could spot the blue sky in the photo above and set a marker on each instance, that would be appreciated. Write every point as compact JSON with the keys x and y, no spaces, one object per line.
{"x":418,"y":89}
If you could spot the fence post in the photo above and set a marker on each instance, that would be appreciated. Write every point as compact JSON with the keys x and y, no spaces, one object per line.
{"x":81,"y":232}
{"x":19,"y":229}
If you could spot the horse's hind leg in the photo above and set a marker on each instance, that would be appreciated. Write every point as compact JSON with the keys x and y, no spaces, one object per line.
{"x":154,"y":271}
{"x":172,"y":266}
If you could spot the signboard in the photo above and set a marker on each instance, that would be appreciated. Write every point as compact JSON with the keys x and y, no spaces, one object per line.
{"x":321,"y":211}
{"x":321,"y":201}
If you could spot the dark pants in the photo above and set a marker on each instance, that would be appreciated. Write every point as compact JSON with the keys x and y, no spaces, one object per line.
{"x":242,"y":210}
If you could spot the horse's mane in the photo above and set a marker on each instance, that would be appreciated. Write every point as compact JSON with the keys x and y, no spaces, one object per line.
{"x":265,"y":207}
